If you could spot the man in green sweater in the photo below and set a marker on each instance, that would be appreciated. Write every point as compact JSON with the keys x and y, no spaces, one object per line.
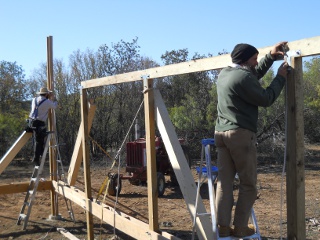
{"x":239,"y":96}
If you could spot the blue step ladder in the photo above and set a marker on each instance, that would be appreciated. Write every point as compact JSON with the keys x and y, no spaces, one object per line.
{"x":210,"y":173}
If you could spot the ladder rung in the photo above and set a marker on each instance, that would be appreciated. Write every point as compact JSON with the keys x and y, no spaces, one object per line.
{"x":30,"y":192}
{"x":27,"y":204}
{"x":34,"y":179}
{"x":203,"y":214}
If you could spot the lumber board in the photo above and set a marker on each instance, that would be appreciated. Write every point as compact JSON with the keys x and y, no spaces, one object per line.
{"x":23,"y":187}
{"x":13,"y":151}
{"x":67,"y":234}
{"x":295,"y":177}
{"x":308,"y":47}
{"x":123,"y":222}
{"x":181,"y":168}
{"x":76,"y":158}
{"x":51,"y":127}
{"x":86,"y":160}
{"x":151,"y":154}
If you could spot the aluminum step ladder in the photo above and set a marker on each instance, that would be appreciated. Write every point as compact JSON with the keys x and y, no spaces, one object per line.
{"x":60,"y":175}
{"x":32,"y":188}
{"x":211,"y":173}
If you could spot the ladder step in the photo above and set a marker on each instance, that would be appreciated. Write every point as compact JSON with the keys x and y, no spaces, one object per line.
{"x":203,"y":214}
{"x":27,"y":204}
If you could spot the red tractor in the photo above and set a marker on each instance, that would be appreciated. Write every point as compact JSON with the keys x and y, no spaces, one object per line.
{"x":136,"y":162}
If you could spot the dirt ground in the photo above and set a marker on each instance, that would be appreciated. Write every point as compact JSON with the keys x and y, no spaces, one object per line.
{"x":173,"y":215}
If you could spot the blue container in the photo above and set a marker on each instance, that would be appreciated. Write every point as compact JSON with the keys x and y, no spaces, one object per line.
{"x":214,"y":170}
{"x":207,"y":141}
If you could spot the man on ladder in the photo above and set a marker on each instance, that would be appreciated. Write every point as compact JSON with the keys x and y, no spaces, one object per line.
{"x":38,"y":118}
{"x":239,"y":96}
{"x":37,"y":123}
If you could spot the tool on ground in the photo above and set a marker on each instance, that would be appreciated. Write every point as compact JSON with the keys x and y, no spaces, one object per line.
{"x":211,"y":173}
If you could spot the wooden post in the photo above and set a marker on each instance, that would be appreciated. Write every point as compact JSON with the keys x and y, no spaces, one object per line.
{"x":51,"y":127}
{"x":296,"y":226}
{"x":151,"y":154}
{"x":86,"y":162}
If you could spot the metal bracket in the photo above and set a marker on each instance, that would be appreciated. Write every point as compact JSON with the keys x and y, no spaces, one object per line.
{"x":290,"y":54}
{"x":145,"y":83}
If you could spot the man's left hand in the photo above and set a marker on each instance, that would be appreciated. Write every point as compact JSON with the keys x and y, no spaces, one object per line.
{"x":278,"y":49}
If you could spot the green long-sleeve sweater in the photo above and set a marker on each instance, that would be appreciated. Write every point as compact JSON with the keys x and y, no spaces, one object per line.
{"x":240,"y":94}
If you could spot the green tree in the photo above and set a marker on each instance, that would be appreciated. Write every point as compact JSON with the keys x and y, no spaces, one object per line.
{"x":13,"y":103}
{"x":188,"y":98}
{"x":12,"y":87}
{"x":311,"y":79}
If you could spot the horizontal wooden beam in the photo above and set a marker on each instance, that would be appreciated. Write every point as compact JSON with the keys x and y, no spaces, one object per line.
{"x":23,"y":187}
{"x":308,"y":47}
{"x":125,"y":223}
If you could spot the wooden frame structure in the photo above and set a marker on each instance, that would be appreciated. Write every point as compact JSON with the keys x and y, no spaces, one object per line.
{"x":155,"y":112}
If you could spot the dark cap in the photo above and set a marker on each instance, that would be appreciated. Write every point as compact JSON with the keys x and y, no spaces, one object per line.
{"x":242,"y":52}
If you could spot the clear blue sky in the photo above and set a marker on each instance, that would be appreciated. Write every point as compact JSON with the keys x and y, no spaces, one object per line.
{"x":204,"y":27}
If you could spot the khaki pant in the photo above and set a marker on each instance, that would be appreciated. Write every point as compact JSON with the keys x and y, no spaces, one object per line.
{"x":237,"y":153}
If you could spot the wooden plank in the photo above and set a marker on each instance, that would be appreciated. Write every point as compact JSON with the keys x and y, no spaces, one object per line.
{"x":86,"y":161}
{"x":67,"y":234}
{"x":123,"y":222}
{"x":51,"y":127}
{"x":308,"y":47}
{"x":23,"y":187}
{"x":181,"y":168}
{"x":295,"y":178}
{"x":76,"y":158}
{"x":151,"y":154}
{"x":13,"y":151}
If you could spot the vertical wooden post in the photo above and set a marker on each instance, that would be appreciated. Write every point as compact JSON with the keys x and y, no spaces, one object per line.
{"x":86,"y":161}
{"x":51,"y":127}
{"x":151,"y":154}
{"x":296,"y":228}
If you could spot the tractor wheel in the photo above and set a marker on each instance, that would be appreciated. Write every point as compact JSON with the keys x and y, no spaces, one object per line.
{"x":160,"y":183}
{"x":113,"y":185}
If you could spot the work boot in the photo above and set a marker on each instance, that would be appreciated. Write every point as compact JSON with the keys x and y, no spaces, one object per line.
{"x":224,"y":231}
{"x":244,"y":231}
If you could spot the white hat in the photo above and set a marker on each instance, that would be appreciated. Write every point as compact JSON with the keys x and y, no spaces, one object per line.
{"x":44,"y":91}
